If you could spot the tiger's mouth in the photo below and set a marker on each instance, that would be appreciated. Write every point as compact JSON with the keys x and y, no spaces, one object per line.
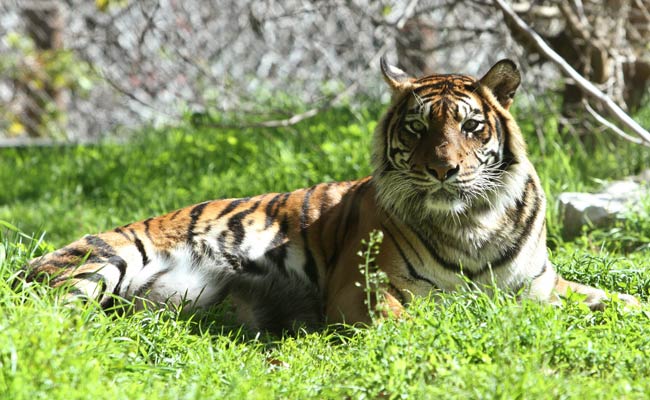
{"x":446,"y":189}
{"x":444,"y":193}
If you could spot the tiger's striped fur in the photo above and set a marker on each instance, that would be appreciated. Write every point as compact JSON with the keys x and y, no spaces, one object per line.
{"x":452,"y":190}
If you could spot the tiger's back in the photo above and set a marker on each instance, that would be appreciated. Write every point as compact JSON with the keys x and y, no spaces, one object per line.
{"x":452,"y":190}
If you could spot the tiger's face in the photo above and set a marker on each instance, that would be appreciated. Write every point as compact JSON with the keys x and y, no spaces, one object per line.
{"x":445,"y":144}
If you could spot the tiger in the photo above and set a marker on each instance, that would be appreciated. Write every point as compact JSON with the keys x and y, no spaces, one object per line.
{"x":453,"y":192}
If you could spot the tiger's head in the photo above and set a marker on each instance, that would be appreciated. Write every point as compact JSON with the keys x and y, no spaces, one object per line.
{"x":447,"y":144}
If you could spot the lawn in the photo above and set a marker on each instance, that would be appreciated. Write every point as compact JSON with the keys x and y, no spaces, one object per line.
{"x":464,"y":345}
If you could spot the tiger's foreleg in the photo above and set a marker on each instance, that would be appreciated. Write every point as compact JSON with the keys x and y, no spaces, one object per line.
{"x":595,"y":298}
{"x":550,"y":286}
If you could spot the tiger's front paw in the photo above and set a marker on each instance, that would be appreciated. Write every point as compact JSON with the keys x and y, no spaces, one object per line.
{"x":599,"y":302}
{"x":630,"y":301}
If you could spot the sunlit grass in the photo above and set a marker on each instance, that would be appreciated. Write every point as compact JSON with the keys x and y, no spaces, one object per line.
{"x":465,"y":345}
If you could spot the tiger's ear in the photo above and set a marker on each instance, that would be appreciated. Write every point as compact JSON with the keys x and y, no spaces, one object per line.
{"x":503,"y":79}
{"x":397,"y":79}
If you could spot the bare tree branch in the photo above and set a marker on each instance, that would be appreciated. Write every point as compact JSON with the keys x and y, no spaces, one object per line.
{"x":586,"y":86}
{"x":602,"y":120}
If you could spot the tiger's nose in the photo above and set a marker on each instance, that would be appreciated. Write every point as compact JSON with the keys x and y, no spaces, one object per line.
{"x":443,"y":172}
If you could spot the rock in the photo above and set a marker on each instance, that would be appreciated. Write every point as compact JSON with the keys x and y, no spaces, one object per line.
{"x":603,"y":208}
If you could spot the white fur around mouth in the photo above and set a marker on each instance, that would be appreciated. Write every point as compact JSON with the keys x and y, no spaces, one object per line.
{"x":456,"y":206}
{"x":444,"y":198}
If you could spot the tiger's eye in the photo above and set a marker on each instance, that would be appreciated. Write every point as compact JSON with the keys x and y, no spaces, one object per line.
{"x":417,"y":126}
{"x":470,"y":125}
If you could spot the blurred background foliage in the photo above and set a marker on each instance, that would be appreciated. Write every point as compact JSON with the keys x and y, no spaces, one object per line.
{"x":77,"y":70}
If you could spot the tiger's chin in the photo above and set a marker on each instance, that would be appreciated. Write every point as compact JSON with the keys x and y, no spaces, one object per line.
{"x":446,"y":202}
{"x":455,"y":206}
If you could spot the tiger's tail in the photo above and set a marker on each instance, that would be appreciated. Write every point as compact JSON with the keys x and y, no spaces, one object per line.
{"x":88,"y":268}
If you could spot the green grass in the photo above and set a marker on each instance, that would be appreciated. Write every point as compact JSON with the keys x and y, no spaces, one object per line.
{"x":465,"y":345}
